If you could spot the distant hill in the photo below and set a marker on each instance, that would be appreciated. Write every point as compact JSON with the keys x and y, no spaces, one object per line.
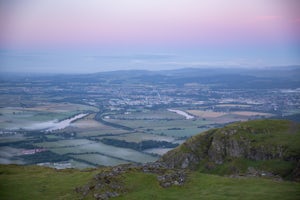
{"x":262,"y":147}
{"x":234,"y":78}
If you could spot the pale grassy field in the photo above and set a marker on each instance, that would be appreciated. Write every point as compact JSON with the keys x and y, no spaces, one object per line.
{"x":138,"y":137}
{"x":7,"y":154}
{"x":79,"y":146}
{"x":165,"y":127}
{"x":100,"y":159}
{"x":62,"y":107}
{"x":249,"y":113}
{"x":88,"y":126}
{"x":186,"y":132}
{"x":206,"y":114}
{"x":148,"y":115}
{"x":12,"y":138}
{"x":233,"y":105}
{"x":158,"y":151}
{"x":213,"y":114}
{"x":159,"y":124}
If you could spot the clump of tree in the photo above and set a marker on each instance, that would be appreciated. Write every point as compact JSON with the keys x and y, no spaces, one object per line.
{"x":45,"y":156}
{"x":139,"y":146}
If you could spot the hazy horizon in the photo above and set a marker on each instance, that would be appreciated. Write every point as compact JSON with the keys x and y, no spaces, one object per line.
{"x":72,"y":36}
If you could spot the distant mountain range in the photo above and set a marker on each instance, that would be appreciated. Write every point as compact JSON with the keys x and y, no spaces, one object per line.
{"x":257,"y":78}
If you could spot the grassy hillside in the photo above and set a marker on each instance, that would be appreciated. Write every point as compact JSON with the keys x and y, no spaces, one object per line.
{"x":34,"y":182}
{"x":31,"y":182}
{"x":260,"y":146}
{"x":204,"y":186}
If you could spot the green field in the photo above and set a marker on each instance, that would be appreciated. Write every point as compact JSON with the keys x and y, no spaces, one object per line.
{"x":88,"y":126}
{"x":24,"y":182}
{"x":185,"y":128}
{"x":84,"y":146}
{"x":7,"y":155}
{"x":97,"y":159}
{"x":32,"y":182}
{"x":209,"y":187}
{"x":148,"y":115}
{"x":12,"y":138}
{"x":138,"y":137}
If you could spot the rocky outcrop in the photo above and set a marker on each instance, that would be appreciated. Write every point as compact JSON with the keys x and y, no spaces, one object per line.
{"x":166,"y":177}
{"x":257,"y":141}
{"x":224,"y":145}
{"x":296,"y":172}
{"x":106,"y":184}
{"x":109,"y":183}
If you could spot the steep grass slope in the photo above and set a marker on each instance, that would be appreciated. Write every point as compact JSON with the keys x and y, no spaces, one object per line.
{"x":34,"y":182}
{"x":31,"y":182}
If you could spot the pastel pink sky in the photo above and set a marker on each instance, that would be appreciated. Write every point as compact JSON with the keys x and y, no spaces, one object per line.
{"x":74,"y":22}
{"x":239,"y":24}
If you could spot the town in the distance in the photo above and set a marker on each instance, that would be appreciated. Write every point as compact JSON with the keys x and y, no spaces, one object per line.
{"x":111,"y":118}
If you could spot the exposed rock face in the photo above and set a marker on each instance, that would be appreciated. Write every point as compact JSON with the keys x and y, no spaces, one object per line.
{"x":166,"y":177}
{"x":225,"y":145}
{"x":184,"y":160}
{"x":296,"y":172}
{"x":108,"y":183}
{"x":265,"y":140}
{"x":248,"y":140}
{"x":173,"y":178}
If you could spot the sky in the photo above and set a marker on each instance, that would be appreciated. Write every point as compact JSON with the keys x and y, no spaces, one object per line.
{"x":86,"y":36}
